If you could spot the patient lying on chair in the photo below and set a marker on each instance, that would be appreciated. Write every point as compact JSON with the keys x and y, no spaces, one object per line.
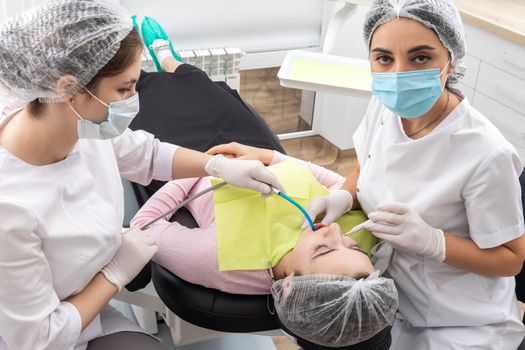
{"x":324,"y":285}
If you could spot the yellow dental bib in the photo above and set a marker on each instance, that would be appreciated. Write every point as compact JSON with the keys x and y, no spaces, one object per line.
{"x":255,"y":232}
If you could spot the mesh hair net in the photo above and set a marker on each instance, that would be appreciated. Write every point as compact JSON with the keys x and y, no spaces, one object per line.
{"x":439,"y":15}
{"x":61,"y":37}
{"x":335,"y":311}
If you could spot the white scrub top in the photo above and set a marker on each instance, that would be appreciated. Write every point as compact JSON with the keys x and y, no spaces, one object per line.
{"x":61,"y":224}
{"x":462,"y":178}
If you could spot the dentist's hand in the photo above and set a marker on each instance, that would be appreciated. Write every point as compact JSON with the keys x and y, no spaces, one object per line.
{"x":405,"y":229}
{"x":251,"y":174}
{"x":136,"y":249}
{"x":334,"y":206}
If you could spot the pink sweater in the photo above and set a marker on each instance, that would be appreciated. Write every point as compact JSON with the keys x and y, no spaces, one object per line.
{"x":191,"y":254}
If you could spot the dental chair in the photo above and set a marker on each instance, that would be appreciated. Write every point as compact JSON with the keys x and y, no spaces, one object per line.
{"x":200,"y":125}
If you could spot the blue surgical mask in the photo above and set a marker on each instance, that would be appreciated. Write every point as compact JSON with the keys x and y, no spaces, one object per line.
{"x":408,"y":94}
{"x":120,"y":115}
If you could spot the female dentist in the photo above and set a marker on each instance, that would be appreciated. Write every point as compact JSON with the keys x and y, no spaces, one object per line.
{"x":71,"y":67}
{"x":439,"y":182}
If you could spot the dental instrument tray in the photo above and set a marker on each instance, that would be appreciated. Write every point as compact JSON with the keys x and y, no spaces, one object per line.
{"x":325,"y":73}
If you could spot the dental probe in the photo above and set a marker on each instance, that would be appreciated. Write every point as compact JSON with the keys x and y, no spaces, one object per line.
{"x":362,"y":226}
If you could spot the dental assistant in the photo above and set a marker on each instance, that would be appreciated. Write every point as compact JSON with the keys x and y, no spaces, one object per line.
{"x":439,"y":183}
{"x":69,"y":69}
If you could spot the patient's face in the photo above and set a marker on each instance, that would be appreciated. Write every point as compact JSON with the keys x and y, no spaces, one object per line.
{"x":327,"y":251}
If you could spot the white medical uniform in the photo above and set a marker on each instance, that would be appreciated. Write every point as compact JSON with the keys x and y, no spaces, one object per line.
{"x":60,"y":225}
{"x":462,"y":178}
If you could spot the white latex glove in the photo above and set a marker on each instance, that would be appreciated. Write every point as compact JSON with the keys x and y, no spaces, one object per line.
{"x":136,"y":249}
{"x":405,"y":229}
{"x":334,"y":206}
{"x":251,"y":174}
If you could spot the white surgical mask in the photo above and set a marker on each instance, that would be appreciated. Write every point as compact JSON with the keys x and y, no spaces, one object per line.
{"x":120,"y":115}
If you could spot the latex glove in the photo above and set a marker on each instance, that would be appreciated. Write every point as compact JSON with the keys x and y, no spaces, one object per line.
{"x":251,"y":174}
{"x":405,"y":229}
{"x":136,"y":249}
{"x":334,"y":206}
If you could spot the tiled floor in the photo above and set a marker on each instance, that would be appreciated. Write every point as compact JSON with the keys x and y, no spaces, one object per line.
{"x":280,"y":107}
{"x":284,"y":343}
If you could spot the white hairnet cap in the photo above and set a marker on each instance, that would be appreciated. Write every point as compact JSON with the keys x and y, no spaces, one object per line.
{"x":439,"y":15}
{"x":61,"y":37}
{"x":335,"y":311}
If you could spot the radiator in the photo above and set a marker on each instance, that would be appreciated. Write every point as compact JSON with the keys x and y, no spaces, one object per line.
{"x":220,"y":64}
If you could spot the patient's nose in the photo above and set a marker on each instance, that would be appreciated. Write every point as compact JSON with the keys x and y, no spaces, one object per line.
{"x":330,"y":231}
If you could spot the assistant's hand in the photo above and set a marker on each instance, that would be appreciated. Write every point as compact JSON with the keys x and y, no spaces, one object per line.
{"x":334,"y":206}
{"x":251,"y":174}
{"x":240,"y":151}
{"x":405,"y":229}
{"x":136,"y":249}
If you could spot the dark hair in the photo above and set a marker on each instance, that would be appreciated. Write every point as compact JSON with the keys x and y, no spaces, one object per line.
{"x":130,"y":47}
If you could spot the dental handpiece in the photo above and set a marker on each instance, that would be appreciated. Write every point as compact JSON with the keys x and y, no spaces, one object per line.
{"x":297,"y":205}
{"x":189,"y":199}
{"x":183,"y":203}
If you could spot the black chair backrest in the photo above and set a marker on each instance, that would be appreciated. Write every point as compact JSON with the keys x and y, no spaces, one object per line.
{"x":381,"y":341}
{"x":187,"y":109}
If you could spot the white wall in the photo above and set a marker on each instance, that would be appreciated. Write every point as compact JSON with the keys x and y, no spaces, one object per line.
{"x":254,"y":26}
{"x":336,"y":117}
